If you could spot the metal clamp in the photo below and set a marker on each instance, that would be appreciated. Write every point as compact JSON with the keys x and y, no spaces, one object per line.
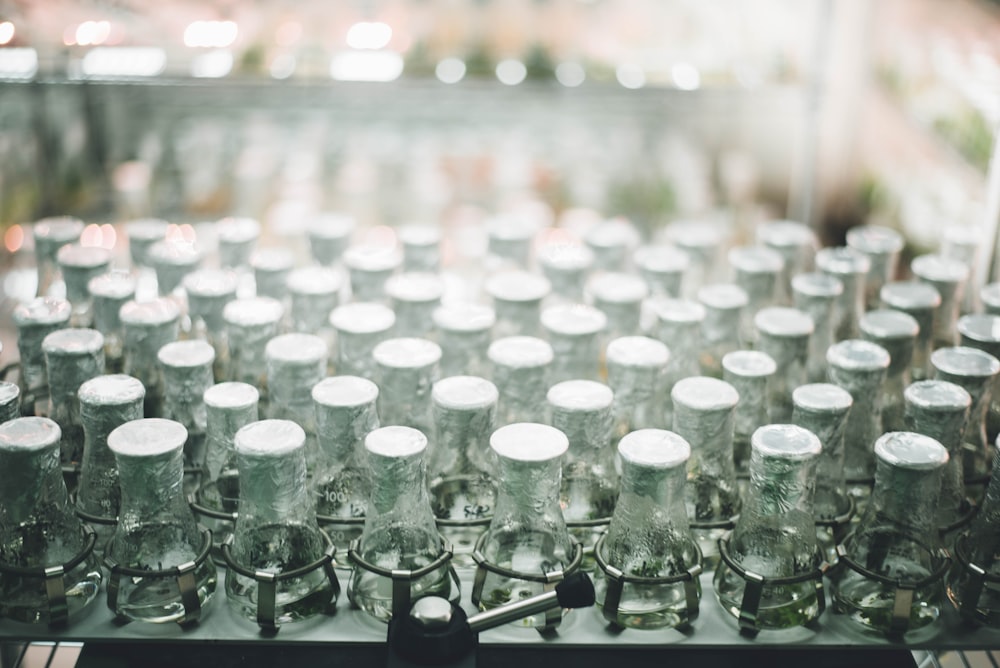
{"x":267,"y":582}
{"x":727,"y":524}
{"x":182,"y":573}
{"x":617,"y":580}
{"x":402,"y":579}
{"x":749,"y":621}
{"x":95,"y":519}
{"x":970,"y":508}
{"x":972,"y":590}
{"x":212,"y":513}
{"x":839,"y":524}
{"x":903,"y":590}
{"x":55,"y":585}
{"x":548,"y":580}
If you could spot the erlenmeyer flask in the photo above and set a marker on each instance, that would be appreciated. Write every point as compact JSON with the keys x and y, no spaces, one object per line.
{"x":329,"y":236}
{"x":406,"y":370}
{"x":35,"y":320}
{"x":51,"y":234}
{"x":920,"y":301}
{"x":110,"y":292}
{"x":187,"y":373}
{"x":882,"y":245}
{"x":148,"y":327}
{"x":464,"y":332}
{"x":896,"y":332}
{"x":749,"y":372}
{"x":360,"y":327}
{"x":72,"y":357}
{"x":78,"y":265}
{"x":521,"y":366}
{"x":637,"y":374}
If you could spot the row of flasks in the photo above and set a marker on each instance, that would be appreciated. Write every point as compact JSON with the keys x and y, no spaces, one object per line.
{"x":720,"y":427}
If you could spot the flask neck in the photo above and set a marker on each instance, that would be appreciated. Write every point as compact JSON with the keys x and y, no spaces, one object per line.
{"x":905,"y":499}
{"x":39,"y":491}
{"x":151,"y":488}
{"x":273,"y":490}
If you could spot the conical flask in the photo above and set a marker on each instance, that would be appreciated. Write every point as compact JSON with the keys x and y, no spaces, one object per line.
{"x":421,"y":246}
{"x":78,"y":265}
{"x":527,"y":540}
{"x":148,"y":327}
{"x":369,"y":266}
{"x":817,"y":295}
{"x":882,"y":245}
{"x":521,"y":366}
{"x":35,"y":320}
{"x":749,"y":372}
{"x":784,"y":333}
{"x":72,"y":357}
{"x":637,"y":374}
{"x":360,"y":327}
{"x":156,"y":540}
{"x":464,"y":332}
{"x":797,"y":244}
{"x":897,"y":333}
{"x":271,"y":267}
{"x":414,"y":296}
{"x":948,"y":276}
{"x":48,"y":572}
{"x":774,"y":540}
{"x":851,"y":267}
{"x":208,"y":291}
{"x":619,"y":297}
{"x":920,"y":301}
{"x":663,"y":268}
{"x":51,"y":234}
{"x":250,"y":324}
{"x":237,"y":238}
{"x":329,"y":236}
{"x":276,"y":531}
{"x":187,"y":373}
{"x":406,"y":370}
{"x":110,"y":292}
{"x":565,"y":262}
{"x":575,"y":331}
{"x":399,"y":532}
{"x":648,"y":541}
{"x":725,"y":305}
{"x":517,"y":301}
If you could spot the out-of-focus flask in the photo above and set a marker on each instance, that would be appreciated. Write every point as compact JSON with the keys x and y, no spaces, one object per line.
{"x":35,"y":320}
{"x":769,"y":577}
{"x":51,"y":234}
{"x":704,"y":416}
{"x":329,"y":236}
{"x":360,"y":327}
{"x":963,"y":243}
{"x":271,"y":267}
{"x":208,"y":292}
{"x":982,"y":331}
{"x":797,"y":244}
{"x":637,"y":374}
{"x":521,"y":372}
{"x":517,"y":301}
{"x":421,"y":247}
{"x":663,"y":268}
{"x":413,"y":297}
{"x":574,"y":330}
{"x":817,"y":294}
{"x":148,"y":327}
{"x":187,"y":374}
{"x":237,"y":238}
{"x":860,"y":368}
{"x":889,"y":578}
{"x":851,"y":268}
{"x":72,"y":357}
{"x":172,"y":260}
{"x":527,"y":543}
{"x":369,"y":267}
{"x":649,"y":561}
{"x":276,"y":531}
{"x":679,"y":328}
{"x":920,"y":301}
{"x":142,"y":234}
{"x":399,"y":532}
{"x":509,"y":241}
{"x":109,"y":293}
{"x":464,"y":332}
{"x":157,"y":556}
{"x":783,"y":333}
{"x":882,"y":245}
{"x":106,"y":402}
{"x":295,"y":363}
{"x":974,"y":370}
{"x":78,"y":265}
{"x":723,"y":326}
{"x":566,"y":264}
{"x":250,"y":324}
{"x":749,"y":372}
{"x":406,"y":369}
{"x":948,"y":277}
{"x":460,"y":468}
{"x":48,"y":572}
{"x":896,"y":332}
{"x":758,"y":271}
{"x":990,"y":296}
{"x":345,"y":414}
{"x":702,"y":242}
{"x":612,"y":242}
{"x":10,"y":401}
{"x":619,"y":297}
{"x":315,"y":294}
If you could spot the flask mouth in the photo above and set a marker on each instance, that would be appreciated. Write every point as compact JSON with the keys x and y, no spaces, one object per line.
{"x":785,"y":441}
{"x":655,"y":448}
{"x":186,"y":354}
{"x":749,"y":364}
{"x":148,"y":437}
{"x":783,"y":322}
{"x":937,"y":396}
{"x":637,"y":351}
{"x":344,"y":392}
{"x":573,"y":320}
{"x":231,"y":395}
{"x":818,"y":285}
{"x":889,"y":324}
{"x":71,"y":342}
{"x":579,"y":396}
{"x":822,"y":398}
{"x":529,"y":442}
{"x":407,"y":353}
{"x":112,"y":390}
{"x":702,"y":393}
{"x":520,"y":352}
{"x":395,"y":442}
{"x":939,"y":269}
{"x":156,"y":312}
{"x":269,"y":438}
{"x":28,"y":434}
{"x":253,"y":311}
{"x":909,"y":450}
{"x":858,"y":355}
{"x":965,"y":361}
{"x":464,"y":393}
{"x":362,"y":318}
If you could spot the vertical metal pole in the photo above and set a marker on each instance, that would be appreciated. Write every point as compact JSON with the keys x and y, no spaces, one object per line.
{"x":986,"y":254}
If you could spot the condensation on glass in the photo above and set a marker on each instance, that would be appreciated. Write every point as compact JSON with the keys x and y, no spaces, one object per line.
{"x":574,"y":331}
{"x":921,"y":301}
{"x":360,"y":326}
{"x":406,"y":369}
{"x":464,"y":331}
{"x":521,"y":372}
{"x":72,"y":357}
{"x":897,"y":333}
{"x":749,"y":372}
{"x":817,"y":295}
{"x":783,"y":333}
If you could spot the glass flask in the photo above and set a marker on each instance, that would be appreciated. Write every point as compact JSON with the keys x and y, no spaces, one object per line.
{"x":527,"y":535}
{"x":39,"y":530}
{"x":797,"y":244}
{"x":583,"y":411}
{"x":663,"y":269}
{"x":369,"y":267}
{"x":329,"y":236}
{"x":72,"y":357}
{"x":889,"y":579}
{"x":237,"y":238}
{"x":509,"y":240}
{"x":464,"y":332}
{"x":276,"y":530}
{"x":172,"y":260}
{"x":882,"y":245}
{"x":110,"y":292}
{"x":271,"y":267}
{"x":156,"y":530}
{"x":704,"y":416}
{"x":51,"y":234}
{"x":972,"y":582}
{"x":920,"y":301}
{"x":758,"y":271}
{"x":521,"y":372}
{"x":575,"y":331}
{"x":783,"y":333}
{"x":649,"y":537}
{"x":406,"y":369}
{"x":345,"y":414}
{"x":974,"y":370}
{"x":35,"y":320}
{"x":228,"y":408}
{"x":148,"y":327}
{"x":106,"y":402}
{"x":851,"y":268}
{"x":679,"y":328}
{"x":774,"y":536}
{"x":399,"y":532}
{"x":295,"y":363}
{"x":940,"y":409}
{"x":187,"y":374}
{"x":10,"y":401}
{"x":990,"y":297}
{"x":637,"y":374}
{"x":702,"y":242}
{"x":413,"y":297}
{"x":619,"y":297}
{"x":982,"y":331}
{"x":723,"y":327}
{"x":897,"y":333}
{"x":948,"y":277}
{"x":860,"y":368}
{"x":817,"y":294}
{"x":142,"y":234}
{"x":822,"y":408}
{"x":250,"y":323}
{"x":612,"y":242}
{"x":566,"y":264}
{"x":78,"y":265}
{"x":517,"y":301}
{"x":315,"y":293}
{"x":360,"y":327}
{"x":460,"y":465}
{"x":749,"y":372}
{"x":962,"y":243}
{"x":421,"y":247}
